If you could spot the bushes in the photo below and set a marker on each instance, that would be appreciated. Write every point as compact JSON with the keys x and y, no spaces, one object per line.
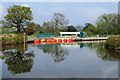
{"x":13,"y":40}
{"x":113,"y":42}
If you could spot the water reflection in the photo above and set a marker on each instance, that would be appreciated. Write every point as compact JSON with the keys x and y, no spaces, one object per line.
{"x":104,"y":53}
{"x":107,"y":54}
{"x":20,"y":60}
{"x":57,"y":52}
{"x":17,"y":60}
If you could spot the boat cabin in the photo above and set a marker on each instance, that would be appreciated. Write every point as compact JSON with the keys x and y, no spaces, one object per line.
{"x":73,"y":34}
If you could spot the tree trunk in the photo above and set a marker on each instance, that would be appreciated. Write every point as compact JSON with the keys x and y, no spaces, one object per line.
{"x":18,"y":28}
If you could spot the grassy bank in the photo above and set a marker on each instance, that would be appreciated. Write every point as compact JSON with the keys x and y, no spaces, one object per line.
{"x":113,"y":43}
{"x":13,"y":40}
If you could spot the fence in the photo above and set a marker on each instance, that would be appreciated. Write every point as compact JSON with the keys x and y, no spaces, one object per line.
{"x":42,"y":35}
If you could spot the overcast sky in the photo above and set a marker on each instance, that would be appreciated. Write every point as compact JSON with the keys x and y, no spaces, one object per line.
{"x":78,"y":13}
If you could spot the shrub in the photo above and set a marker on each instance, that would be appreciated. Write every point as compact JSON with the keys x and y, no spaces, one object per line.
{"x":13,"y":40}
{"x":113,"y":42}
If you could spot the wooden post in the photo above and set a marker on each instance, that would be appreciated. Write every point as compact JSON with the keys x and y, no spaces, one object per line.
{"x":24,"y":40}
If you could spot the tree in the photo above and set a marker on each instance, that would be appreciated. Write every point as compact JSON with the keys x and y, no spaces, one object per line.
{"x":79,"y":28}
{"x":38,"y":28}
{"x":47,"y":27}
{"x":33,"y":27}
{"x":108,"y":24}
{"x":29,"y":30}
{"x":4,"y":27}
{"x":18,"y":16}
{"x":92,"y":29}
{"x":58,"y":22}
{"x":1,"y":23}
{"x":70,"y":29}
{"x":86,"y":26}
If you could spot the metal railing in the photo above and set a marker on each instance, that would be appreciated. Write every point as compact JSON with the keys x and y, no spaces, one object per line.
{"x":52,"y":36}
{"x":42,"y":35}
{"x":31,"y":37}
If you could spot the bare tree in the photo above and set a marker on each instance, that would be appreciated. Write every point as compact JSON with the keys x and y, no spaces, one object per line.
{"x":58,"y":22}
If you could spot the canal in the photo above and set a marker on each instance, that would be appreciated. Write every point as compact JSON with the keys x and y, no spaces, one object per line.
{"x":73,"y":60}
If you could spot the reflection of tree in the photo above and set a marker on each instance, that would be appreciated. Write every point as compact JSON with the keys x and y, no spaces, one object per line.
{"x":18,"y":61}
{"x":103,"y":53}
{"x":107,"y":54}
{"x":18,"y":47}
{"x":92,"y":45}
{"x":58,"y":53}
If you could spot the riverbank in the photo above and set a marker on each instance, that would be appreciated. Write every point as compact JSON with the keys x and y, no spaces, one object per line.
{"x":16,"y":39}
{"x":113,"y":43}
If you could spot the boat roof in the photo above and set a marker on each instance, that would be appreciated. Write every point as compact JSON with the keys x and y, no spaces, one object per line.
{"x":69,"y":32}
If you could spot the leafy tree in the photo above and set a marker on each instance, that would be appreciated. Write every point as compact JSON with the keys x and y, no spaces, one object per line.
{"x":47,"y":27}
{"x":32,"y":27}
{"x":4,"y":27}
{"x":108,"y":24}
{"x":92,"y":29}
{"x":29,"y":30}
{"x":18,"y":16}
{"x":86,"y":26}
{"x":36,"y":27}
{"x":118,"y":23}
{"x":1,"y":23}
{"x":58,"y":22}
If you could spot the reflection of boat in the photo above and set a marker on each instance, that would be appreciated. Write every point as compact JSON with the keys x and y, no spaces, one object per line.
{"x":80,"y":44}
{"x":70,"y":45}
{"x":53,"y":41}
{"x":90,"y":41}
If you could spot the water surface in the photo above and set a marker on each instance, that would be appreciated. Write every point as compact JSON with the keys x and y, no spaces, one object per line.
{"x":75,"y":60}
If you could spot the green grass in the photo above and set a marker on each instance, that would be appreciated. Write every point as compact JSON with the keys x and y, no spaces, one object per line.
{"x":15,"y":32}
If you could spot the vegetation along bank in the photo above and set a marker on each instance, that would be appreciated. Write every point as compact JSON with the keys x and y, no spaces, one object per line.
{"x":113,"y":43}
